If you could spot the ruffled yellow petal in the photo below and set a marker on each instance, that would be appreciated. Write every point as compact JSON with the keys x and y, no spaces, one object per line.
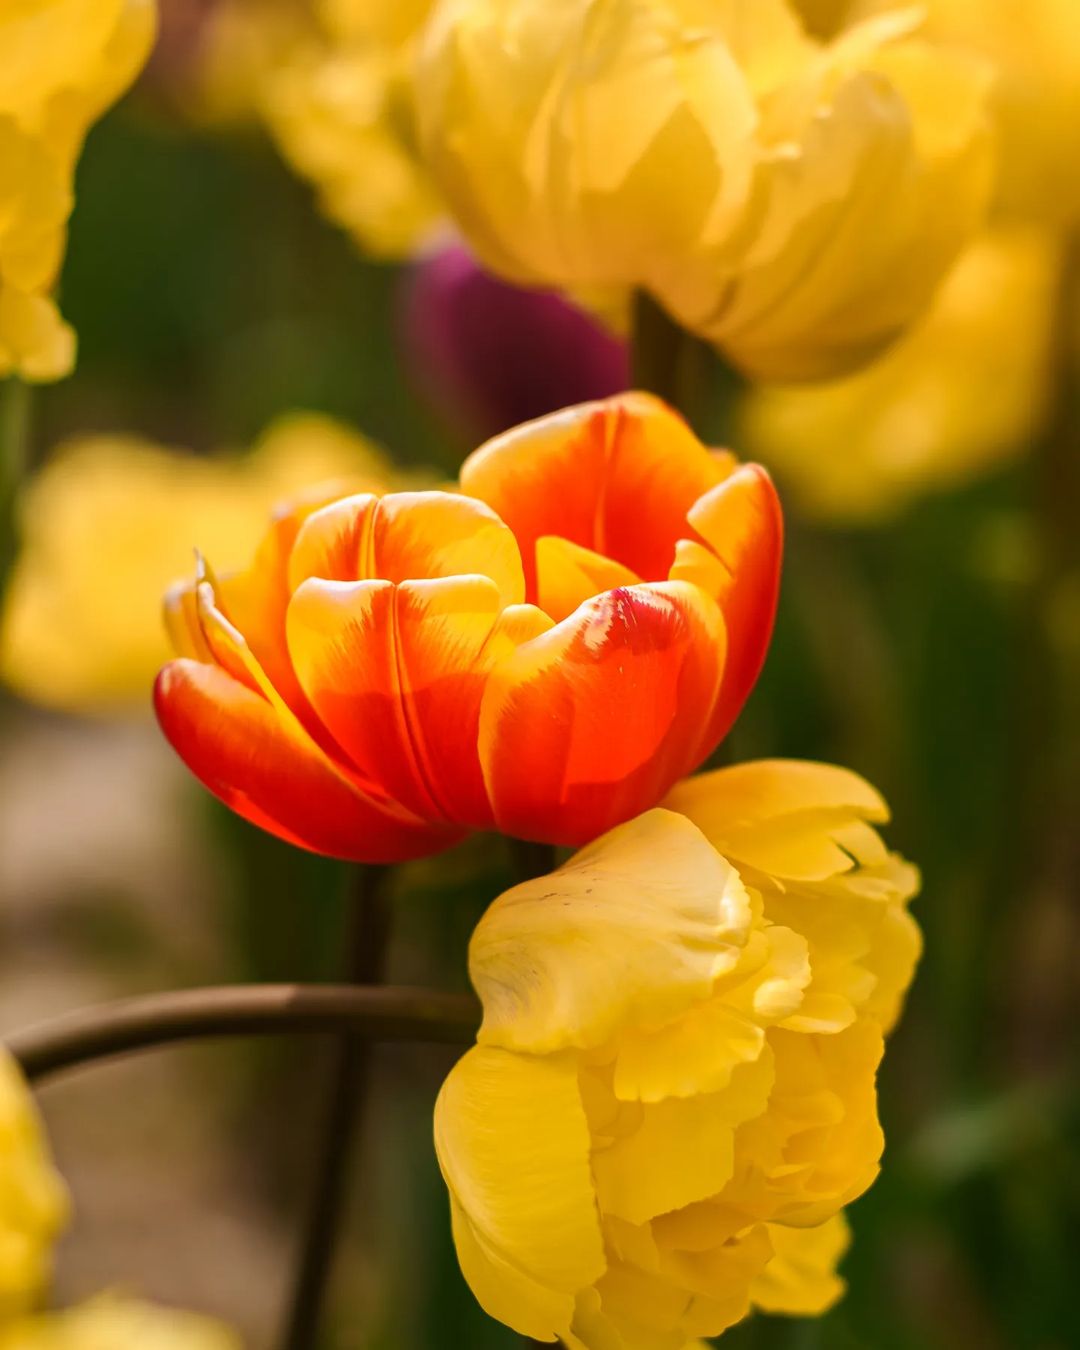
{"x":513,"y":1145}
{"x":800,"y":835}
{"x":632,"y":931}
{"x":801,"y":1278}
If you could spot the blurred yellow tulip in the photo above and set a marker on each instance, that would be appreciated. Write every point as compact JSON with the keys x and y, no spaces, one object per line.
{"x":33,"y":1202}
{"x":1034,"y":46}
{"x":793,"y":202}
{"x":960,"y":393}
{"x":113,"y":1323}
{"x":62,"y":62}
{"x":112,"y":521}
{"x":340,"y":110}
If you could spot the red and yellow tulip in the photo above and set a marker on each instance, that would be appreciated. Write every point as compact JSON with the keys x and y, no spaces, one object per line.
{"x":545,"y":653}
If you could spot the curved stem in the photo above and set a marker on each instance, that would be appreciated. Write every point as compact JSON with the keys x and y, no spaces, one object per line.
{"x":387,"y":1013}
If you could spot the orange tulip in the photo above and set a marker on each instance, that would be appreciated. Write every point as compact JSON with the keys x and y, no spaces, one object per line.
{"x":545,"y":654}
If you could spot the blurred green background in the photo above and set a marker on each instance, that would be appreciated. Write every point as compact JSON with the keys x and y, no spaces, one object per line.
{"x":914,"y":653}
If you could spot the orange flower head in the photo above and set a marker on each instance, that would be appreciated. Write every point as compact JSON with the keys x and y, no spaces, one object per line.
{"x":545,"y":653}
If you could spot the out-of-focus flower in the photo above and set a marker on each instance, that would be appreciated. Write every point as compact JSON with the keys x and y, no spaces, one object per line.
{"x":651,"y":1135}
{"x":112,"y":521}
{"x":793,"y":202}
{"x":213,"y":57}
{"x":113,"y":1323}
{"x":1034,"y":46}
{"x":33,"y":1208}
{"x":340,"y":110}
{"x":33,"y":1202}
{"x":62,"y":63}
{"x":490,"y":355}
{"x":546,"y":655}
{"x":960,"y":393}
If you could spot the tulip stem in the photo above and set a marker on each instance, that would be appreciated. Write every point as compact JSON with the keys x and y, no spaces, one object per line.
{"x":346,"y":1107}
{"x":148,"y":1022}
{"x":14,"y":442}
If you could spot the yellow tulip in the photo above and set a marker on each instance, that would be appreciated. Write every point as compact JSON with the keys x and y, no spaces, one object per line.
{"x":959,"y":394}
{"x":113,"y":1323}
{"x":667,"y":1108}
{"x":91,"y":637}
{"x":1034,"y":46}
{"x":339,"y":109}
{"x":793,"y":202}
{"x":33,"y":1202}
{"x":62,"y":63}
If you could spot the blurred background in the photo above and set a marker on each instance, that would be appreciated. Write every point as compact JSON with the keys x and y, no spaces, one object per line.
{"x":928,"y":637}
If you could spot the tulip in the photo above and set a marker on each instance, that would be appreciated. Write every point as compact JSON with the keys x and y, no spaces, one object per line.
{"x":650,"y":1136}
{"x":113,"y":1323}
{"x":490,"y":355}
{"x":962,"y":393}
{"x":90,"y":639}
{"x":33,"y":1202}
{"x":793,"y":202}
{"x":62,"y":63}
{"x":546,"y":653}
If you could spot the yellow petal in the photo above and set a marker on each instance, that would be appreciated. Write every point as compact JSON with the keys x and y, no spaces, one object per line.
{"x":630,"y":932}
{"x":567,"y":575}
{"x":513,"y":1145}
{"x":801,"y":1278}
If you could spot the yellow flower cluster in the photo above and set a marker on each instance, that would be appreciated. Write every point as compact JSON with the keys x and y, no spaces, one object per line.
{"x":964,"y":390}
{"x":672,"y":1097}
{"x":62,"y":62}
{"x":793,"y":202}
{"x":80,"y":637}
{"x":33,"y":1208}
{"x":341,"y":113}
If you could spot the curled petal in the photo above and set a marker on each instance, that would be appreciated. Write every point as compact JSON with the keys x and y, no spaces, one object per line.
{"x":592,"y":722}
{"x":513,"y":1145}
{"x":743,"y":525}
{"x":233,"y":741}
{"x":615,"y":477}
{"x":801,"y":1278}
{"x":632,"y":930}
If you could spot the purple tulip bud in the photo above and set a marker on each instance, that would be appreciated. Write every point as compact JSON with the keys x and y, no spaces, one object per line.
{"x":488,"y":355}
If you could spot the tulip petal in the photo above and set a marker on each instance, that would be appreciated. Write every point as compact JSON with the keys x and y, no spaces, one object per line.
{"x":743,"y":525}
{"x":616,"y":477}
{"x":592,"y":722}
{"x":632,"y":930}
{"x":682,"y":1149}
{"x":396,"y":672}
{"x":407,"y":536}
{"x":233,"y":741}
{"x":783,"y":817}
{"x":801,"y":1278}
{"x":513,"y":1146}
{"x":568,"y":575}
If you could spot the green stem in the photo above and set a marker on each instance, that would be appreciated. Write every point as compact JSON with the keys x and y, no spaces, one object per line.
{"x":14,"y":460}
{"x":684,"y":371}
{"x":346,"y":1107}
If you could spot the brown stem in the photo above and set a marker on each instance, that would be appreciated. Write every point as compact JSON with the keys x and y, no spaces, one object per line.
{"x":132,"y":1024}
{"x":349,"y":1090}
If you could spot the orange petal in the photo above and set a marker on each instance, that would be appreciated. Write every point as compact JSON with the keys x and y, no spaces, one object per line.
{"x":233,"y":742}
{"x":408,"y":536}
{"x":616,"y":477}
{"x":742,"y":523}
{"x":591,"y":723}
{"x":397,"y":671}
